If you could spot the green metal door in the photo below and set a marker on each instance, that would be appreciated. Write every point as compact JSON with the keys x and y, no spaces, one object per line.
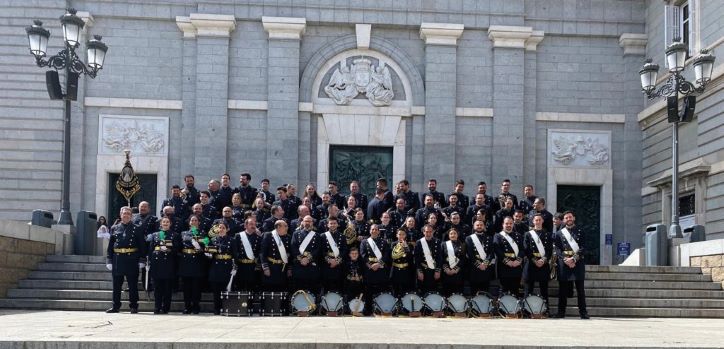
{"x":116,"y":200}
{"x":365,"y":164}
{"x":585,"y":202}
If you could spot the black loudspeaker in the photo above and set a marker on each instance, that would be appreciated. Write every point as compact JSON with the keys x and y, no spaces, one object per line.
{"x":672,"y":108}
{"x":687,"y":114}
{"x":53,"y":84}
{"x":72,"y":92}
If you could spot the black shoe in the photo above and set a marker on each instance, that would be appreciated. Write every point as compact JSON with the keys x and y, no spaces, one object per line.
{"x":134,"y":310}
{"x":112,"y":310}
{"x":585,"y":316}
{"x":157,"y":312}
{"x":217,"y":312}
{"x":558,"y":316}
{"x":186,"y":311}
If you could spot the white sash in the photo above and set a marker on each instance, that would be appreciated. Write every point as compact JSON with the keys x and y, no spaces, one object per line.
{"x":428,"y":255}
{"x":571,"y":241}
{"x":306,"y":241}
{"x":479,"y":246}
{"x":247,"y":245}
{"x":538,"y":243}
{"x":451,"y":258}
{"x":280,"y":246}
{"x":512,"y":243}
{"x":332,"y":244}
{"x":375,"y":249}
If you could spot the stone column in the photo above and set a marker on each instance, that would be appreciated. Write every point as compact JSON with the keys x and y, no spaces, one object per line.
{"x":440,"y":101}
{"x":282,"y":156}
{"x":188,"y":98}
{"x":508,"y":158}
{"x":530,"y":160}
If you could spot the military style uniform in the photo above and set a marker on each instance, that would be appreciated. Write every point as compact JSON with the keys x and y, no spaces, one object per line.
{"x":353,"y":278}
{"x":568,"y":276}
{"x":333,"y":278}
{"x":271,"y":260}
{"x":376,"y":281}
{"x":163,"y":248}
{"x":192,"y":197}
{"x":402,"y":275}
{"x":147,"y":224}
{"x":223,"y":198}
{"x":437,"y":197}
{"x":362,"y":229}
{"x":453,"y":283}
{"x":268,"y":224}
{"x":290,"y":210}
{"x":126,"y":249}
{"x":295,"y":202}
{"x":547,"y":219}
{"x":463,"y":200}
{"x":423,"y":213}
{"x":462,"y":229}
{"x":248,"y":195}
{"x":509,"y":277}
{"x":502,"y":197}
{"x":209,"y":211}
{"x":339,"y":200}
{"x":480,"y":279}
{"x":499,"y":217}
{"x":471,"y":212}
{"x":221,"y":258}
{"x":192,"y":267}
{"x":388,"y":232}
{"x":248,"y":266}
{"x":531,"y":272}
{"x":362,"y":201}
{"x":527,"y":203}
{"x":428,"y":282}
{"x":306,"y":277}
{"x":179,"y":207}
{"x":269,"y":198}
{"x":412,"y":201}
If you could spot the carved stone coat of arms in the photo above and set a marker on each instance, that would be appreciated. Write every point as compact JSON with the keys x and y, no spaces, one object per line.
{"x":362,"y":77}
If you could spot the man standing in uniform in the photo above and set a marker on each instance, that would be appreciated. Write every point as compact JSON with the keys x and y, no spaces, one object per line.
{"x":539,"y":207}
{"x":412,"y":200}
{"x":176,"y":202}
{"x":306,"y":253}
{"x":274,"y":255}
{"x":225,"y":193}
{"x":428,"y":260}
{"x":489,"y":201}
{"x":360,"y":198}
{"x":337,"y":198}
{"x":247,"y":192}
{"x":438,"y":198}
{"x":126,"y":249}
{"x":246,"y":247}
{"x":463,"y":200}
{"x":528,"y":199}
{"x":509,"y":252}
{"x":504,"y":195}
{"x":481,"y":254}
{"x":269,"y":198}
{"x":571,"y":265}
{"x":269,"y":223}
{"x":145,"y":222}
{"x":191,"y":193}
{"x":334,"y":254}
{"x":375,"y":253}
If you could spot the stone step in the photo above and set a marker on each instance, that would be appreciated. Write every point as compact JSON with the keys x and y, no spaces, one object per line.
{"x":66,"y":284}
{"x":635,"y":269}
{"x":647,"y":312}
{"x":643,"y":293}
{"x":97,"y":295}
{"x":64,"y":304}
{"x":649,"y":277}
{"x":70,"y":275}
{"x":77,"y":267}
{"x":646,"y":303}
{"x":76,"y":259}
{"x":675,"y":285}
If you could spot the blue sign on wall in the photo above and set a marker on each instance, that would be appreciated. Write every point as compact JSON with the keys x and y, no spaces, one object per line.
{"x":609,"y":239}
{"x":623,"y":249}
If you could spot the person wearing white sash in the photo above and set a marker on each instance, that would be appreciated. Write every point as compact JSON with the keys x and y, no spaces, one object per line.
{"x":428,"y":260}
{"x":306,"y":257}
{"x":274,"y":256}
{"x":481,"y":257}
{"x":334,"y":253}
{"x":375,"y":253}
{"x":221,"y":260}
{"x":247,"y":244}
{"x":402,"y":275}
{"x":453,"y":262}
{"x":571,"y":265}
{"x":509,"y":252}
{"x":538,"y":246}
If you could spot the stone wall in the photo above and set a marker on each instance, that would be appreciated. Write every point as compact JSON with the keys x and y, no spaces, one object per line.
{"x":712,"y":264}
{"x":18,"y":257}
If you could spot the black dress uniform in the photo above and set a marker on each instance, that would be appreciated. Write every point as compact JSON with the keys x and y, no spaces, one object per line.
{"x":248,"y":195}
{"x":362,"y":201}
{"x":423,"y":213}
{"x":306,"y":277}
{"x":223,"y":198}
{"x":502,"y":197}
{"x":147,"y":224}
{"x":333,"y":278}
{"x":290,"y":210}
{"x":262,"y":214}
{"x":271,"y":260}
{"x":428,"y":283}
{"x":389,"y":232}
{"x":162,"y":250}
{"x":453,"y":283}
{"x":376,"y":281}
{"x":192,"y":267}
{"x":294,"y":203}
{"x":353,"y":278}
{"x":237,"y":212}
{"x":462,"y":229}
{"x":397,"y":218}
{"x":179,"y":207}
{"x":269,"y":198}
{"x":126,"y":249}
{"x":402,"y":275}
{"x":472,"y":211}
{"x":248,"y":267}
{"x":437,"y":197}
{"x":339,"y":200}
{"x":547,"y":220}
{"x":363,"y":230}
{"x":509,"y":277}
{"x":222,"y":263}
{"x":209,"y":211}
{"x":531,"y":272}
{"x":527,"y":203}
{"x":480,"y":279}
{"x":268,"y":224}
{"x":412,"y":200}
{"x":567,"y":276}
{"x":499,"y":217}
{"x":192,"y":197}
{"x":463,"y":200}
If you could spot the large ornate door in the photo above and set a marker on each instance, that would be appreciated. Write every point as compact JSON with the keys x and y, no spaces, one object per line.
{"x":365,"y":164}
{"x":585,"y":202}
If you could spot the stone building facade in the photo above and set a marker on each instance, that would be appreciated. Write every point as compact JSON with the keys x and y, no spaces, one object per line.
{"x":540,"y":92}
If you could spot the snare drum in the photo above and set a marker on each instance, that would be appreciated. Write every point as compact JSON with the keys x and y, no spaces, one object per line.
{"x":385,"y":303}
{"x":273,"y":303}
{"x":509,"y":306}
{"x":482,"y":305}
{"x":412,"y":304}
{"x":356,"y":306}
{"x":435,"y":304}
{"x":235,"y":303}
{"x":332,"y":303}
{"x":458,"y":305}
{"x":535,"y":306}
{"x":303,"y":303}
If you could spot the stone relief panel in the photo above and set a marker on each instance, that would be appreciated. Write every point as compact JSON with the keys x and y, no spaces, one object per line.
{"x":140,"y":134}
{"x":361,"y":77}
{"x":574,"y":148}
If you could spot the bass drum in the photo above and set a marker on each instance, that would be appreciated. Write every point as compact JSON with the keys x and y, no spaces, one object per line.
{"x":411,"y":303}
{"x":481,"y":305}
{"x":458,"y":304}
{"x":303,"y":302}
{"x":434,"y":302}
{"x":509,"y":306}
{"x":535,"y":306}
{"x":385,"y":303}
{"x":356,"y":306}
{"x":332,"y":302}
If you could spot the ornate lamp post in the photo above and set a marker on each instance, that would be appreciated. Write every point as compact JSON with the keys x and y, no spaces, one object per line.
{"x":67,"y":60}
{"x":675,"y":86}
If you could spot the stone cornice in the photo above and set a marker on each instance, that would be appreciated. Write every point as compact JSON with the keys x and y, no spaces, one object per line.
{"x":284,"y":27}
{"x":184,"y":24}
{"x":535,"y":38}
{"x":202,"y":24}
{"x":441,"y":33}
{"x":633,"y":44}
{"x":513,"y":37}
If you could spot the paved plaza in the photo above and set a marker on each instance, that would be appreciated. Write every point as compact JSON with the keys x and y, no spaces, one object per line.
{"x":58,"y":329}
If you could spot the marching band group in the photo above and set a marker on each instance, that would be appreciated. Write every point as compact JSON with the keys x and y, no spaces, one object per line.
{"x":244,"y":239}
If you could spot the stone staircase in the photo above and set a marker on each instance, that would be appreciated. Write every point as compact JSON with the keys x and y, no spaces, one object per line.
{"x":83,"y":283}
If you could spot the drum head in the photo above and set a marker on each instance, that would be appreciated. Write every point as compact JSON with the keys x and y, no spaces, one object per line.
{"x":412,"y":302}
{"x":482,"y":304}
{"x":535,"y":305}
{"x":457,"y":303}
{"x":385,"y":303}
{"x":434,"y":301}
{"x":509,"y":305}
{"x":303,"y":301}
{"x":332,"y":301}
{"x":356,"y":305}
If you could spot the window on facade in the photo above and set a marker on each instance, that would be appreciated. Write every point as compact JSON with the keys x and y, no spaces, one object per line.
{"x":685,"y":26}
{"x":687,"y":204}
{"x":678,"y":22}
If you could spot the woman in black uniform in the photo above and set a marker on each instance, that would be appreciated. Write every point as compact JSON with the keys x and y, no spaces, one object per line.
{"x":453,"y":262}
{"x":192,"y":265}
{"x":219,"y":251}
{"x":162,"y":250}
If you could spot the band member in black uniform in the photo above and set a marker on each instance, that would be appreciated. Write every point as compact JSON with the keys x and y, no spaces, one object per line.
{"x":126,"y":255}
{"x":228,"y":218}
{"x":208,"y":209}
{"x":163,"y":247}
{"x":463,"y":200}
{"x":506,"y":211}
{"x":177,"y":224}
{"x":473,"y":209}
{"x":247,"y":245}
{"x":247,"y":192}
{"x":520,"y":222}
{"x":353,"y":275}
{"x":192,"y":264}
{"x":437,"y":197}
{"x":387,"y":230}
{"x":177,"y":202}
{"x":294,"y":200}
{"x":456,"y":223}
{"x":220,"y":252}
{"x":429,"y":208}
{"x":402,"y":275}
{"x":509,"y":252}
{"x":482,"y":215}
{"x":266,"y":195}
{"x":334,"y":253}
{"x":452,"y":206}
{"x":538,"y":245}
{"x":411,"y":232}
{"x":526,"y":203}
{"x":236,"y":210}
{"x":489,"y":201}
{"x":439,"y":227}
{"x":302,"y":211}
{"x":361,"y":227}
{"x":190,"y":193}
{"x":205,"y":223}
{"x":275,"y":247}
{"x":571,"y":264}
{"x":337,"y":198}
{"x":481,"y":255}
{"x":260,"y":211}
{"x":360,"y":199}
{"x":453,"y":263}
{"x":377,"y":206}
{"x":286,"y":204}
{"x":277,"y":213}
{"x":310,"y":191}
{"x":557,"y":221}
{"x":398,"y":214}
{"x":412,"y":200}
{"x":223,"y":198}
{"x":332,"y":211}
{"x":306,"y":254}
{"x":428,"y":261}
{"x":539,"y":207}
{"x":375,"y":254}
{"x":145,"y":222}
{"x":505,"y":194}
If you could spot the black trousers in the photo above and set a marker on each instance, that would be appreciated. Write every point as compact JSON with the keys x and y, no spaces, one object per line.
{"x":530,"y":286}
{"x":132,"y":280}
{"x":511,"y":285}
{"x":216,"y":289}
{"x":428,"y":283}
{"x":192,"y":293}
{"x":564,"y":289}
{"x":162,"y":291}
{"x":371,"y":291}
{"x":332,"y":284}
{"x":479,"y":286}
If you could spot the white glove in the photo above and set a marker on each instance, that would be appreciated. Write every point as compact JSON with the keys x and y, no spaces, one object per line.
{"x":109,"y":266}
{"x":208,"y":255}
{"x":163,"y":248}
{"x":196,"y":244}
{"x":233,"y":272}
{"x":141,"y":265}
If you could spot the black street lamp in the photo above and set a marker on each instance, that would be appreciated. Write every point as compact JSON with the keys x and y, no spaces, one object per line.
{"x":677,"y":85}
{"x":68,"y":60}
